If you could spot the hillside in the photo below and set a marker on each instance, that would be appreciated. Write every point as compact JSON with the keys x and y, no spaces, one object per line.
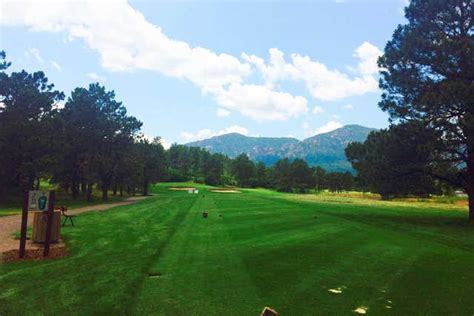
{"x":325,"y":150}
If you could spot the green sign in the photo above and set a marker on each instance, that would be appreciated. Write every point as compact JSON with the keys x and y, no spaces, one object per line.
{"x":38,"y":200}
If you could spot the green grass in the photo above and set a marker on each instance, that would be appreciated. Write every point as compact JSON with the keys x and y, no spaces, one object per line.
{"x":17,"y":234}
{"x":258,"y":248}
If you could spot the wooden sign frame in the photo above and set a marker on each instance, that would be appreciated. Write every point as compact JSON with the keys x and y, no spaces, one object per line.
{"x":24,"y":223}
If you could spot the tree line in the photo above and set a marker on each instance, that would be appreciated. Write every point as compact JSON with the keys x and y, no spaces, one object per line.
{"x":88,"y":140}
{"x":197,"y":164}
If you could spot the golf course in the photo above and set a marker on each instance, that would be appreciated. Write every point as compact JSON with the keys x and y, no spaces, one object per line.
{"x":311,"y":254}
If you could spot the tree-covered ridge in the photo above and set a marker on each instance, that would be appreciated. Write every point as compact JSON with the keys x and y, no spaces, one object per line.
{"x":266,"y":149}
{"x":325,"y":150}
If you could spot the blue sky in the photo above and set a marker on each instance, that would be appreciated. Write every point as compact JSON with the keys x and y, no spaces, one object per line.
{"x":191,"y":70}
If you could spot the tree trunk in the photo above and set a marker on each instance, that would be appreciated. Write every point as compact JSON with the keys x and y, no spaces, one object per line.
{"x":105,"y":194}
{"x":31,"y":182}
{"x":75,"y":188}
{"x":469,"y":185}
{"x":83,"y":188}
{"x":121,"y":190}
{"x":145,"y":187}
{"x":471,"y":204}
{"x":38,"y":182}
{"x":89,"y":192}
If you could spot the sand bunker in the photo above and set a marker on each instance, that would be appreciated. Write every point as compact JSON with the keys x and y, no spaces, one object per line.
{"x":180,"y":189}
{"x":225,"y":191}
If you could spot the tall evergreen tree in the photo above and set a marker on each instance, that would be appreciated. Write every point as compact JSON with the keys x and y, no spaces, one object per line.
{"x":244,"y":170}
{"x":27,"y":126}
{"x":396,"y":161}
{"x":98,"y":131}
{"x":213,"y":169}
{"x":301,"y":175}
{"x":428,"y":76}
{"x":283,"y":176}
{"x":152,"y":157}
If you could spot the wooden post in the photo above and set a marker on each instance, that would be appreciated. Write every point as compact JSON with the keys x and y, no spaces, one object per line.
{"x":24,"y":224}
{"x":52,"y":199}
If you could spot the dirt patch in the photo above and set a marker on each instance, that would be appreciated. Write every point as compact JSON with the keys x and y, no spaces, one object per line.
{"x":225,"y":191}
{"x":35,"y":254}
{"x":180,"y":189}
{"x":463,"y":203}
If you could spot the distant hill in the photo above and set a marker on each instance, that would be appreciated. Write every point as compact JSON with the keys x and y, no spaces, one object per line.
{"x":325,"y":150}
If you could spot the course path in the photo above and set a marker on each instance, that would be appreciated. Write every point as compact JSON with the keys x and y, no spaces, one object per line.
{"x":10,"y":224}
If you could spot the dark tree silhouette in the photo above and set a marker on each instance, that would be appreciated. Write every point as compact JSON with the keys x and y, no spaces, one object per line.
{"x":427,"y":76}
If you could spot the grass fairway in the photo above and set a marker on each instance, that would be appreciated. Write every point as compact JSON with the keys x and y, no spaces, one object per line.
{"x":258,"y":248}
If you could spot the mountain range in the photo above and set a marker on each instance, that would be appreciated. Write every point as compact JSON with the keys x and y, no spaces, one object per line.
{"x":325,"y":150}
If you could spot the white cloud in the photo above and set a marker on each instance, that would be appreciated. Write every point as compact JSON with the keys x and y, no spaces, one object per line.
{"x":276,"y":69}
{"x":34,"y":53}
{"x":261,"y":103}
{"x":322,"y":83}
{"x":126,"y":41}
{"x":222,"y":112}
{"x":368,"y":55}
{"x":328,"y":127}
{"x":55,"y":65}
{"x":95,"y":77}
{"x":318,"y":110}
{"x":165,"y":144}
{"x":207,"y":133}
{"x":348,"y":107}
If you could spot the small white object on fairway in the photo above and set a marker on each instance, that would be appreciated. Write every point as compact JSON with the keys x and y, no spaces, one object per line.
{"x":361,"y":310}
{"x":336,"y":291}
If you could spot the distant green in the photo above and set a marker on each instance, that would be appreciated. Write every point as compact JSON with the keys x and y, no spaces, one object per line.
{"x":257,"y":248}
